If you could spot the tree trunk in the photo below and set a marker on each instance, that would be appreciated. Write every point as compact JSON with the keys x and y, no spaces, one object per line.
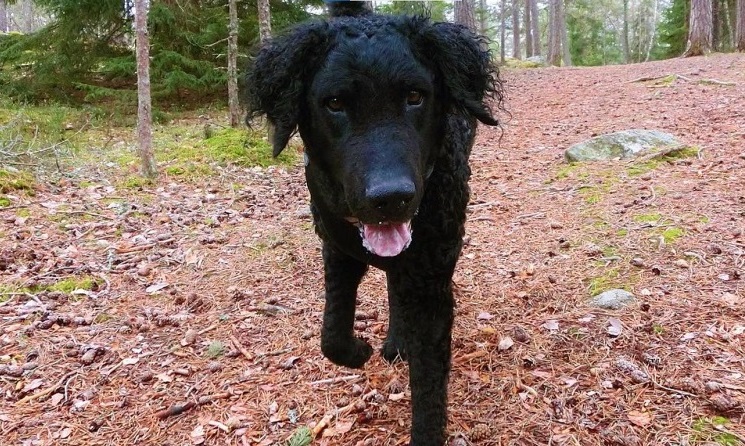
{"x":483,"y":17}
{"x":503,"y":31}
{"x":3,"y":17}
{"x":732,"y":23}
{"x":699,"y":33}
{"x":554,"y":34}
{"x":528,"y":30}
{"x":740,"y":25}
{"x":715,"y":28}
{"x":625,"y":37}
{"x":516,"y":29}
{"x":536,"y":32}
{"x":465,"y":14}
{"x":265,"y":20}
{"x":233,"y":104}
{"x":652,"y":31}
{"x":567,"y":56}
{"x":144,"y":111}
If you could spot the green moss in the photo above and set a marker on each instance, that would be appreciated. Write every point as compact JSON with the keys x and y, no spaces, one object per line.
{"x":522,"y":64}
{"x":237,"y":146}
{"x":647,"y":218}
{"x":15,"y":181}
{"x":566,"y":170}
{"x":302,"y":436}
{"x":648,"y":165}
{"x":705,"y":431}
{"x":71,"y":284}
{"x":658,"y":329}
{"x":102,"y":317}
{"x":215,"y":349}
{"x":607,"y":281}
{"x":4,"y":202}
{"x":23,"y":212}
{"x":591,"y":194}
{"x":672,"y":234}
{"x":623,"y":232}
{"x":136,"y":182}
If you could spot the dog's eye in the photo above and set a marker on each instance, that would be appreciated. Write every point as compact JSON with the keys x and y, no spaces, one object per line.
{"x":335,"y":105}
{"x":414,"y":98}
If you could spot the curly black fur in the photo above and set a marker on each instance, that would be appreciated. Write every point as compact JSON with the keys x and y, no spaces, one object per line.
{"x":387,"y":109}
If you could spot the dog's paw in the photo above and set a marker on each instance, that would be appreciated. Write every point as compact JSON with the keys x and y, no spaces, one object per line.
{"x":393,"y":350}
{"x":353,"y":353}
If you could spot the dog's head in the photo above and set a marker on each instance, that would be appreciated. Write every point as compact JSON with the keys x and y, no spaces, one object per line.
{"x":370,"y":96}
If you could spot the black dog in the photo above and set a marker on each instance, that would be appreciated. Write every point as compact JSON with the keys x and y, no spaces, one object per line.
{"x":387,"y":108}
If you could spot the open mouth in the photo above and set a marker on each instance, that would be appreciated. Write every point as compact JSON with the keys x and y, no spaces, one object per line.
{"x":385,"y":239}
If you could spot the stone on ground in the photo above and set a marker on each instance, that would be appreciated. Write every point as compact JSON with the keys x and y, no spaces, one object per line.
{"x":623,"y":144}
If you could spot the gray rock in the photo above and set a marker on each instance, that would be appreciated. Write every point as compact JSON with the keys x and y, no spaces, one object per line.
{"x":612,"y":299}
{"x":624,"y":144}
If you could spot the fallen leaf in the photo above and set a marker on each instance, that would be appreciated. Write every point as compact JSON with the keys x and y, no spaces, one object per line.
{"x":484,"y":316}
{"x":57,"y":398}
{"x":639,"y":418}
{"x":551,"y":325}
{"x":130,"y":361}
{"x":616,"y":327}
{"x":396,"y":396}
{"x":164,"y":377}
{"x":33,"y":385}
{"x":154,"y":288}
{"x":505,"y":343}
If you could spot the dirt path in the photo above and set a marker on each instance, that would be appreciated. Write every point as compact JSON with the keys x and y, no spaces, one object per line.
{"x":207,"y":296}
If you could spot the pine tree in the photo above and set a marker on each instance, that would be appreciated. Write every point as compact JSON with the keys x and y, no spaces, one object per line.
{"x":144,"y":112}
{"x":700,"y":30}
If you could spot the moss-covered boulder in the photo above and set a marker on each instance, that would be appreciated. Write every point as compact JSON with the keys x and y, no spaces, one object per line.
{"x":624,"y":144}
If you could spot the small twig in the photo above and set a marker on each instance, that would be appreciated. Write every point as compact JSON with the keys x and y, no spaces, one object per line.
{"x":669,"y":389}
{"x":274,"y":353}
{"x":210,"y":328}
{"x":49,"y":390}
{"x":241,"y":348}
{"x":338,"y":379}
{"x":176,"y":409}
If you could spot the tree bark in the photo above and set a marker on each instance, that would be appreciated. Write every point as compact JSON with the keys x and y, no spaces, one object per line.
{"x":265,"y":20}
{"x":483,"y":17}
{"x":715,"y":28}
{"x":740,"y":25}
{"x":536,"y":31}
{"x":528,"y":30}
{"x":566,"y":55}
{"x":516,"y":29}
{"x":625,"y":37}
{"x":700,"y":29}
{"x":503,"y":31}
{"x":554,"y":34}
{"x":465,"y":14}
{"x":144,"y":104}
{"x":233,"y":104}
{"x":3,"y":17}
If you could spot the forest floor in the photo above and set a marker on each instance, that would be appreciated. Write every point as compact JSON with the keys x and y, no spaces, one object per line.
{"x":188,"y":312}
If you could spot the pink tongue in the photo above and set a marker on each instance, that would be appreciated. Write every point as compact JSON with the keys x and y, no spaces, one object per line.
{"x":386,"y":240}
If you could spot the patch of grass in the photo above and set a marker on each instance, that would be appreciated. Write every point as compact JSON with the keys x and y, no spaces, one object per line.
{"x":215,"y":349}
{"x":4,"y":202}
{"x":658,"y":329}
{"x":623,"y":232}
{"x":23,"y":212}
{"x":706,"y":431}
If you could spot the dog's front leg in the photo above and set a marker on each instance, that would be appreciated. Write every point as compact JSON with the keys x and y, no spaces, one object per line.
{"x":427,"y":311}
{"x":342,"y":277}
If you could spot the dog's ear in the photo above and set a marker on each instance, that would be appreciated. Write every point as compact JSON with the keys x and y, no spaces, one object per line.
{"x":463,"y":64}
{"x":277,"y":79}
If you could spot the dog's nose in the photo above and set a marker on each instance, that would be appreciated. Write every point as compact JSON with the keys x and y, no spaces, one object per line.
{"x":391,"y":198}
